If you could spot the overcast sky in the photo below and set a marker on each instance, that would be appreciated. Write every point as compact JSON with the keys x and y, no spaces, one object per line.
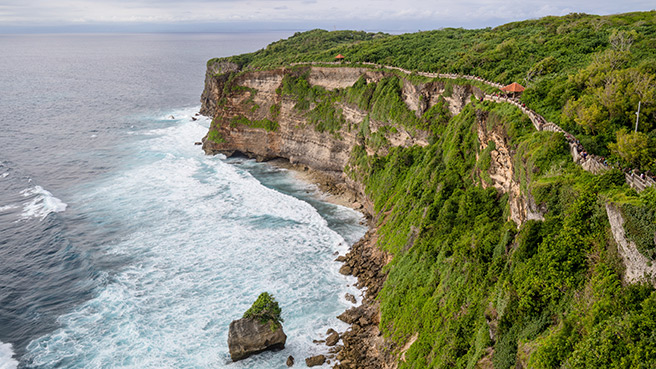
{"x":243,"y":15}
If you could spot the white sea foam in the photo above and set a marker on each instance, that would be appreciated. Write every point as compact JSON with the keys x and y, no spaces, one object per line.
{"x":6,"y":357}
{"x":4,"y":175}
{"x":8,"y":207}
{"x":207,"y":238}
{"x":41,"y":203}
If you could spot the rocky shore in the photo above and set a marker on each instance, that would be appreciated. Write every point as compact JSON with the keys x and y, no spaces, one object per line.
{"x":363,"y":345}
{"x":331,"y":184}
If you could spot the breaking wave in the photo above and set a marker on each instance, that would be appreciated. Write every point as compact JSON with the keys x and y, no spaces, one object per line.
{"x":41,"y":203}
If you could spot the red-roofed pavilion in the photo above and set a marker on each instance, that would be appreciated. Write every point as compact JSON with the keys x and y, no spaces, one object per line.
{"x":514,"y":88}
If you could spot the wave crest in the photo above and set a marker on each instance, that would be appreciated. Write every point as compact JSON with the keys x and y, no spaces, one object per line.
{"x":41,"y":204}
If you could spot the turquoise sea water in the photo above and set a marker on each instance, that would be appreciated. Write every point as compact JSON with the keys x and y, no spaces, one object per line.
{"x":122,"y":244}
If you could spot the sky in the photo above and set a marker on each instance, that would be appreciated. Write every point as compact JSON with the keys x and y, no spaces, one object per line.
{"x":28,"y":16}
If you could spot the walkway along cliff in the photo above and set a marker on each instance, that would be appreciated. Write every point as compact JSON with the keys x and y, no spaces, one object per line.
{"x":338,"y":119}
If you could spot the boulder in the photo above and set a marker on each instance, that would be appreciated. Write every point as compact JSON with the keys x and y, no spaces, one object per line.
{"x":345,"y":269}
{"x":351,"y":315}
{"x":290,"y":361}
{"x":315,"y":360}
{"x":350,"y":298}
{"x":332,"y":339}
{"x":335,"y":349}
{"x":249,"y":336}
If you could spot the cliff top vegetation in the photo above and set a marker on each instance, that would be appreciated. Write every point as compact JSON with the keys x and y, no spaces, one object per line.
{"x":586,"y":73}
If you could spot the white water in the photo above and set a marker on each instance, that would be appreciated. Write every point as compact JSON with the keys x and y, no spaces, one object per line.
{"x":8,"y":207}
{"x":6,"y":357}
{"x":40,"y":203}
{"x":205,"y":238}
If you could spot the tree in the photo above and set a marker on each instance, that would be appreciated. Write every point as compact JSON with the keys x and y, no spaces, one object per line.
{"x":633,"y":147}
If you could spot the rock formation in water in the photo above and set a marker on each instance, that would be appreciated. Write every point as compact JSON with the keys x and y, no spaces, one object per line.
{"x":260,"y":329}
{"x":249,"y":336}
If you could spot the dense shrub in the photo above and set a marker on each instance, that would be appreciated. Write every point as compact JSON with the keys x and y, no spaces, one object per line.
{"x":265,"y":309}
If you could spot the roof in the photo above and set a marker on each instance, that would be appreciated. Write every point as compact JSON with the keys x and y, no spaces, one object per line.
{"x":513,"y":87}
{"x":339,"y":56}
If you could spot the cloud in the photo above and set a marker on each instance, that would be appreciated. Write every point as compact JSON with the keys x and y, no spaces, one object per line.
{"x":342,"y":13}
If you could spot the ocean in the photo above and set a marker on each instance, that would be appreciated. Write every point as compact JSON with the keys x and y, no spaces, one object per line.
{"x":121,"y":244}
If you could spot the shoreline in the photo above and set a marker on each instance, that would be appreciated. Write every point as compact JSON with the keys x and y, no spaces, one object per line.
{"x":333,"y":189}
{"x":363,"y":345}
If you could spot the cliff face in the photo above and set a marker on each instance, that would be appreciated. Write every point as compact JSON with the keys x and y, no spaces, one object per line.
{"x":254,"y":117}
{"x":256,"y":96}
{"x":638,"y":267}
{"x":503,"y":175}
{"x":294,"y":139}
{"x":216,"y":76}
{"x":236,"y":99}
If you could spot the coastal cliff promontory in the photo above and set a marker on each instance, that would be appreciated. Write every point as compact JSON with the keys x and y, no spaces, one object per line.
{"x":492,"y":244}
{"x":257,"y":114}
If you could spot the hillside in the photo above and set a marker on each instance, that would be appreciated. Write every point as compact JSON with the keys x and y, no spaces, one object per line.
{"x":502,"y":251}
{"x":583,"y":72}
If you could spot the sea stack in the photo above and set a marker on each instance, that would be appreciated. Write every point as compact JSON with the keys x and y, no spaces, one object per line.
{"x":260,"y":329}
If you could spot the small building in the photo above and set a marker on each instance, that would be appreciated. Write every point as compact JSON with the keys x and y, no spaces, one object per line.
{"x":339,"y":58}
{"x":514,"y":88}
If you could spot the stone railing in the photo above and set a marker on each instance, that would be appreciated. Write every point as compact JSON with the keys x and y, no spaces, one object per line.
{"x":639,"y":182}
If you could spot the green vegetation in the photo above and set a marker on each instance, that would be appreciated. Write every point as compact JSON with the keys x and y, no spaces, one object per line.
{"x":318,"y":104}
{"x":468,"y":281}
{"x":265,"y":123}
{"x":383,"y":100}
{"x":585,"y":73}
{"x":302,"y":47}
{"x":215,"y":136}
{"x":552,"y":288}
{"x":265,"y":309}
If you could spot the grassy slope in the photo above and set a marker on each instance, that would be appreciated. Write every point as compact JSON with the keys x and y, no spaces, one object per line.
{"x":551,"y":290}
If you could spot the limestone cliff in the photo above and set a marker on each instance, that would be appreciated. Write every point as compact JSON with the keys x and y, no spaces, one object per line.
{"x":637,"y":267}
{"x":238,"y":100}
{"x":502,"y":173}
{"x":254,"y":95}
